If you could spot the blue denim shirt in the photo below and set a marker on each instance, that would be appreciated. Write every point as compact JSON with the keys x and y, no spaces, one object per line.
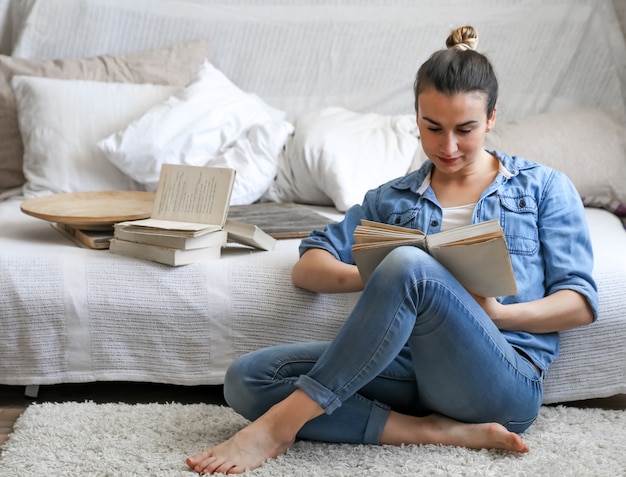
{"x":540,"y":212}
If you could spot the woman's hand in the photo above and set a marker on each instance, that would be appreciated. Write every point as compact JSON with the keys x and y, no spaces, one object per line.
{"x":319,"y":271}
{"x":493,"y":308}
{"x":563,"y":310}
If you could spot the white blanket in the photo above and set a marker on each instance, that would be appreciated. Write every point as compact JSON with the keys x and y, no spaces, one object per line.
{"x":76,"y":315}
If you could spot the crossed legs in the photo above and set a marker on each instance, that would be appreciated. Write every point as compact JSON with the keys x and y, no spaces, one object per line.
{"x":457,"y":368}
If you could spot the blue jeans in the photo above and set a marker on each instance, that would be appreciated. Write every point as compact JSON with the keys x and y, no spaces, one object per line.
{"x":416,"y":343}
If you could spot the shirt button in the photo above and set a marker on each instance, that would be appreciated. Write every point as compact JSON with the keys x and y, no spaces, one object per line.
{"x":398,"y":220}
{"x":434,"y":223}
{"x":522,"y":203}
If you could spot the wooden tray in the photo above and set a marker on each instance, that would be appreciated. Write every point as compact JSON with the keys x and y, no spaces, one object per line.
{"x":91,"y":210}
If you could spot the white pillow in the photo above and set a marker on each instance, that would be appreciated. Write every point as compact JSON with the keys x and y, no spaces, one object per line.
{"x":61,"y":121}
{"x":255,"y":158}
{"x":336,"y":156}
{"x":199,"y":126}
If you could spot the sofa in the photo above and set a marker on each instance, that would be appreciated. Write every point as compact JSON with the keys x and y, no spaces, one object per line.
{"x":311,"y":101}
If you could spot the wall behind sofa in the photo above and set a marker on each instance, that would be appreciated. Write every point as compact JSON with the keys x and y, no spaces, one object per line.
{"x":620,"y":10}
{"x":302,"y":54}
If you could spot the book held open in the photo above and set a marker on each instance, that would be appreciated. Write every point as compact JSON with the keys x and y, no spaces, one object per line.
{"x":475,"y":254}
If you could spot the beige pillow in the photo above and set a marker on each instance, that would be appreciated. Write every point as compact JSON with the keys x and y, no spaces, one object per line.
{"x":589,"y":146}
{"x":60,"y":150}
{"x":175,"y":65}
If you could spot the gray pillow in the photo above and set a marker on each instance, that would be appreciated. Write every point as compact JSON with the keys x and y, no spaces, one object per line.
{"x":589,"y":146}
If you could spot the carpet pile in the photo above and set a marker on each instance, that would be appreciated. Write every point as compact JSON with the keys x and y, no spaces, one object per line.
{"x":88,"y":439}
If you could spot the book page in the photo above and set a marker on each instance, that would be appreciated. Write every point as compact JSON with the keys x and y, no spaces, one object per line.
{"x":467,"y":234}
{"x":388,"y":229}
{"x":193,"y":194}
{"x":374,"y":240}
{"x":172,"y":227}
{"x":470,"y":240}
{"x":375,"y":232}
{"x":484,"y":268}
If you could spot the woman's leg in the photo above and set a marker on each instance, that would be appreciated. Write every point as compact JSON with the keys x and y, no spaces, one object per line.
{"x":258,"y":380}
{"x":463,"y":365}
{"x":383,"y":321}
{"x":262,"y":378}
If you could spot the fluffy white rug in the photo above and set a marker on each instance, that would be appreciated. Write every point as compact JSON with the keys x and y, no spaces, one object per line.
{"x":87,"y":439}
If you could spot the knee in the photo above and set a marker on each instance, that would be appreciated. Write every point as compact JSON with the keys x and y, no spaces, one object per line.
{"x":237,"y":391}
{"x":403,"y":263}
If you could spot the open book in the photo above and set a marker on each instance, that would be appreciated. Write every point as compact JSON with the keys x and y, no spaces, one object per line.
{"x":190,"y":201}
{"x":190,"y":213}
{"x":475,"y":254}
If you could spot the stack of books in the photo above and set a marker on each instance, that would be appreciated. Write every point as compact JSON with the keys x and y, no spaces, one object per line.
{"x":188,"y":222}
{"x":173,"y":248}
{"x":167,"y":247}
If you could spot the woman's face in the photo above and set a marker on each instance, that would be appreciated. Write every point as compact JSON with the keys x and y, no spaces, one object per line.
{"x":453,"y":128}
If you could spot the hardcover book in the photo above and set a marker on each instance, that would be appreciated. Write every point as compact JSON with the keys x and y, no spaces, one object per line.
{"x":217,"y":238}
{"x":475,"y":254}
{"x":166,"y":255}
{"x":96,"y":239}
{"x":249,"y":234}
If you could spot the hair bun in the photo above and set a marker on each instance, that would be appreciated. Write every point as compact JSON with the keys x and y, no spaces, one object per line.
{"x":463,"y":38}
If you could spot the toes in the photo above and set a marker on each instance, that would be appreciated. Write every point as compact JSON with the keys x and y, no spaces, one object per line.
{"x":210,"y":465}
{"x":195,"y":459}
{"x":202,"y":462}
{"x":237,"y":469}
{"x":520,"y":445}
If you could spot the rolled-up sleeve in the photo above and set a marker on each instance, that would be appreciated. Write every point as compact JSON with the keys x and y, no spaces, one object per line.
{"x":336,"y":238}
{"x":565,"y":238}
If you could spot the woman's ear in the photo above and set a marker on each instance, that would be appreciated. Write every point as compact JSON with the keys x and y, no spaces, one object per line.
{"x":491,"y":120}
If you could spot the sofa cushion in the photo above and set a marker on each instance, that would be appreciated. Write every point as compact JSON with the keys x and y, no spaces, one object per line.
{"x":61,"y":122}
{"x":211,"y":122}
{"x":172,"y":65}
{"x":587,"y":145}
{"x":337,"y":155}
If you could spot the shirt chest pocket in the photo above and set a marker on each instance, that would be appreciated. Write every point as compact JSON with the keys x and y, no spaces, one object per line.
{"x":519,"y":221}
{"x":405,"y":218}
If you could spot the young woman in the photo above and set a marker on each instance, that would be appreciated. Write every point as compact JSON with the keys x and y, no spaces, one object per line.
{"x":420,"y":359}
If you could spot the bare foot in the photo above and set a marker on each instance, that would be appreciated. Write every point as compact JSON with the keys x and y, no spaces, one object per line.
{"x":438,"y":429}
{"x":247,"y":449}
{"x":269,"y":436}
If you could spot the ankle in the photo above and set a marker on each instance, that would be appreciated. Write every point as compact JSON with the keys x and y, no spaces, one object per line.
{"x":289,"y":415}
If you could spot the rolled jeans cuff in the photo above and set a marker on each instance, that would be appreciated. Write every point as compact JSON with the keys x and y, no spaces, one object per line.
{"x":379,"y":413}
{"x":327,"y":399}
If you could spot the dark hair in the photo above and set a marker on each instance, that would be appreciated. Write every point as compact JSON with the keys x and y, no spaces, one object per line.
{"x":459,"y":69}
